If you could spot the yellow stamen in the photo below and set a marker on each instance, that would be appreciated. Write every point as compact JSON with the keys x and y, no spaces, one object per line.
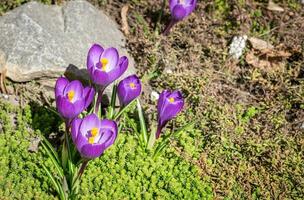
{"x":91,"y":140}
{"x":94,"y":132}
{"x":71,"y":95}
{"x":132,"y":85}
{"x":171,"y":100}
{"x":104,"y":63}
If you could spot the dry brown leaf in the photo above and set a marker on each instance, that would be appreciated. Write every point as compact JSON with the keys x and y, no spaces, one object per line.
{"x":276,"y":53}
{"x":124,"y":19}
{"x":270,"y":61}
{"x":274,"y":7}
{"x":255,"y":61}
{"x":260,"y":44}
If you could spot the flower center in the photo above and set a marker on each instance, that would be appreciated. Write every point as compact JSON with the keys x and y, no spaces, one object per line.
{"x":132,"y":85}
{"x":104,"y":63}
{"x":71,"y":95}
{"x":94,"y":133}
{"x":171,"y":100}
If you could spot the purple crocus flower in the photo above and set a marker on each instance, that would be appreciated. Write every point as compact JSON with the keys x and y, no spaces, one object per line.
{"x":71,"y":97}
{"x":179,"y":10}
{"x":105,"y":65}
{"x":93,"y":136}
{"x":168,"y":106}
{"x":128,"y":89}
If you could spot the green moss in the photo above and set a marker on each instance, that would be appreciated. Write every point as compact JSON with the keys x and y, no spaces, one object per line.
{"x":123,"y":172}
{"x":21,"y":176}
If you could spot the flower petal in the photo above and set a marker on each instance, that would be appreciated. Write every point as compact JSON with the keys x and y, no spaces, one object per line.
{"x":75,"y":129}
{"x":179,"y":12}
{"x":93,"y":55}
{"x":75,"y":86}
{"x":60,"y":85}
{"x":108,"y":136}
{"x":88,"y":95}
{"x":65,"y":108}
{"x":89,"y":122}
{"x":92,"y":151}
{"x":112,"y":55}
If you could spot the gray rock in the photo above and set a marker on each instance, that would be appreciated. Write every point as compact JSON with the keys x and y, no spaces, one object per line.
{"x":39,"y":41}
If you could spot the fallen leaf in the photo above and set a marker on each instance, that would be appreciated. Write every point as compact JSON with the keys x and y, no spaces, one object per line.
{"x":124,"y":19}
{"x":260,"y":44}
{"x":274,"y":7}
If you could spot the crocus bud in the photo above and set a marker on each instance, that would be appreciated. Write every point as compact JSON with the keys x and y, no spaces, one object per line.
{"x":93,"y":136}
{"x":179,"y":10}
{"x":168,"y":106}
{"x":128,"y":89}
{"x":105,"y":65}
{"x":71,"y":97}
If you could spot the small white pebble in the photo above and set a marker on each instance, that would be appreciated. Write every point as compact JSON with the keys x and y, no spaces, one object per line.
{"x":154,"y":96}
{"x":237,"y":46}
{"x":5,"y":96}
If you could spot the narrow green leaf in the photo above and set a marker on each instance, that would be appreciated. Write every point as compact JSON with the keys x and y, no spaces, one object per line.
{"x":113,"y":100}
{"x":51,"y":148}
{"x":152,"y":138}
{"x":122,"y":110}
{"x":142,"y":122}
{"x":53,"y":159}
{"x":57,"y":186}
{"x":183,"y":128}
{"x":165,"y":140}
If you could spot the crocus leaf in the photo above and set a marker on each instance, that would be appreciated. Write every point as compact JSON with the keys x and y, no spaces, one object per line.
{"x":122,"y":110}
{"x":113,"y":100}
{"x":57,"y":185}
{"x":50,"y":148}
{"x":53,"y":159}
{"x":142,"y":123}
{"x":165,"y":141}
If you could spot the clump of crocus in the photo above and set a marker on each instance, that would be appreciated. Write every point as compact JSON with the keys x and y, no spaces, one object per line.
{"x":168,"y":106}
{"x":128,"y":89}
{"x":93,"y":136}
{"x":72,"y":98}
{"x":105,"y":65}
{"x":179,"y":10}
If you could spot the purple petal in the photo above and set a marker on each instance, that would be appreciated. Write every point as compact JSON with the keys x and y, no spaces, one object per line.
{"x":169,"y":109}
{"x":92,"y":151}
{"x":161,"y":99}
{"x":101,"y":78}
{"x":119,"y":70}
{"x":179,"y":12}
{"x":172,"y":4}
{"x":79,"y":106}
{"x":60,"y":85}
{"x":89,"y":122}
{"x":75,"y":86}
{"x":108,"y":136}
{"x":124,"y":91}
{"x":75,"y":129}
{"x":93,"y":55}
{"x":88,"y":95}
{"x":112,"y":55}
{"x":65,"y":108}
